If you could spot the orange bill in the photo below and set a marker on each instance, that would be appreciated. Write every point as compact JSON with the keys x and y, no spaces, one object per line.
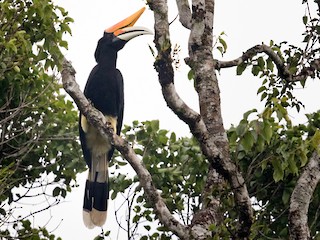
{"x":127,"y":22}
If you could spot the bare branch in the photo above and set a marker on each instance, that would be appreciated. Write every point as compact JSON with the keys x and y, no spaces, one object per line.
{"x":184,"y":13}
{"x":98,"y":121}
{"x":301,"y":197}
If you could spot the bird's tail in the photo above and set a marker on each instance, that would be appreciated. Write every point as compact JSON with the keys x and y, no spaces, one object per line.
{"x":96,"y":193}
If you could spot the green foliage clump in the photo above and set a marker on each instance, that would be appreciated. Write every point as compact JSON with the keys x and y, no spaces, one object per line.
{"x":178,"y":169}
{"x":38,"y":125}
{"x":268,"y":149}
{"x":271,"y":154}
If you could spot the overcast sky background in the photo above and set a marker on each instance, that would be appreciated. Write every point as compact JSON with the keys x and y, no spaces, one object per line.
{"x":245,"y":22}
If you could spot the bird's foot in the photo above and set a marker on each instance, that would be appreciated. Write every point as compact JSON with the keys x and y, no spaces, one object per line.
{"x":109,"y":126}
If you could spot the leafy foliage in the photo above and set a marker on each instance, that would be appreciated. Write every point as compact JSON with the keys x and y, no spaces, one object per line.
{"x":274,"y":85}
{"x":271,"y":153}
{"x":37,"y":123}
{"x":178,"y":169}
{"x":266,"y":147}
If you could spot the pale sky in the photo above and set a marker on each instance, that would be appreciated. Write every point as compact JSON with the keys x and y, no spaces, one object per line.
{"x":245,"y":22}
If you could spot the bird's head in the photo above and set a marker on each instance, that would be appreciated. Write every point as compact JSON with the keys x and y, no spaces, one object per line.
{"x":118,"y":35}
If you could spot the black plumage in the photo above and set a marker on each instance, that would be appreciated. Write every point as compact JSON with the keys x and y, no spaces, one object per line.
{"x":104,"y":89}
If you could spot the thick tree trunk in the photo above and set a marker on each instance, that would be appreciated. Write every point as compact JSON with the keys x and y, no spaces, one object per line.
{"x":207,"y":126}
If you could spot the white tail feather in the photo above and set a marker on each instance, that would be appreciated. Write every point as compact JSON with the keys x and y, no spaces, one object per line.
{"x":98,"y":218}
{"x":98,"y":176}
{"x":86,"y":216}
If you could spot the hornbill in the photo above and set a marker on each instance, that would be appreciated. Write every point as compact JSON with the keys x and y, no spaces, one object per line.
{"x":104,"y":89}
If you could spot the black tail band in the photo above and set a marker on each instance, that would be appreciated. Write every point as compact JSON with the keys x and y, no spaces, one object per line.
{"x":96,"y":196}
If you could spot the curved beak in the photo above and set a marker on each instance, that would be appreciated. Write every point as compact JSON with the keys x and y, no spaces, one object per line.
{"x":125,"y":30}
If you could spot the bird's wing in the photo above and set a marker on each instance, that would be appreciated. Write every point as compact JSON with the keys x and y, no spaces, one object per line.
{"x":120,"y":100}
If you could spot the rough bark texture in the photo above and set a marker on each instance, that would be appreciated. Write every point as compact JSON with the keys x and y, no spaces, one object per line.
{"x":207,"y":126}
{"x":301,"y":197}
{"x":201,"y":61}
{"x":184,"y":13}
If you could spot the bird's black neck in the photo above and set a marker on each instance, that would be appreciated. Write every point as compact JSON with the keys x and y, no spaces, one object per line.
{"x":108,"y":61}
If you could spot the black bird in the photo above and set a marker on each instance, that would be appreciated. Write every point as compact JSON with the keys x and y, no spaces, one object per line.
{"x":104,"y":89}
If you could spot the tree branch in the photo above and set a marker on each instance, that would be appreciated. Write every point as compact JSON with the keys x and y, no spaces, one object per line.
{"x":208,"y":126}
{"x":98,"y":121}
{"x":301,"y":197}
{"x":184,"y":13}
{"x":283,"y":69}
{"x":203,"y":65}
{"x":250,"y":53}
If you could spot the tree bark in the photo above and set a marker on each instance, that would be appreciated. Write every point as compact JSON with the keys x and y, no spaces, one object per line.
{"x":207,"y":126}
{"x":301,"y":197}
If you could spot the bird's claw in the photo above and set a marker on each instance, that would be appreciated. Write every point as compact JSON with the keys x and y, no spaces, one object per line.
{"x":109,"y":126}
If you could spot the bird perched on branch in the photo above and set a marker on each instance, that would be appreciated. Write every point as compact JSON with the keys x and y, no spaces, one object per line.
{"x":104,"y":89}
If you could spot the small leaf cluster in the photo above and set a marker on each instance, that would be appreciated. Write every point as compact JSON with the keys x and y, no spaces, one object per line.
{"x":271,"y":153}
{"x":220,"y":44}
{"x":274,"y":84}
{"x":178,"y":171}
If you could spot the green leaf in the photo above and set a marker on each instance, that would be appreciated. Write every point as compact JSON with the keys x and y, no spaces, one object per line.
{"x":56,"y":191}
{"x":267,"y":132}
{"x":246,"y":114}
{"x":222,"y":49}
{"x":64,"y":44}
{"x":305,"y":19}
{"x":242,"y":127}
{"x":261,"y":89}
{"x":223,"y":43}
{"x":191,"y":74}
{"x":263,"y":96}
{"x":241,"y":67}
{"x":303,"y":157}
{"x":315,"y":140}
{"x":113,"y":195}
{"x":173,"y":137}
{"x":261,"y":62}
{"x":255,"y":70}
{"x":155,"y":125}
{"x":271,"y":43}
{"x":247,"y":141}
{"x":292,"y":165}
{"x":278,"y":172}
{"x":270,"y":64}
{"x":286,"y":196}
